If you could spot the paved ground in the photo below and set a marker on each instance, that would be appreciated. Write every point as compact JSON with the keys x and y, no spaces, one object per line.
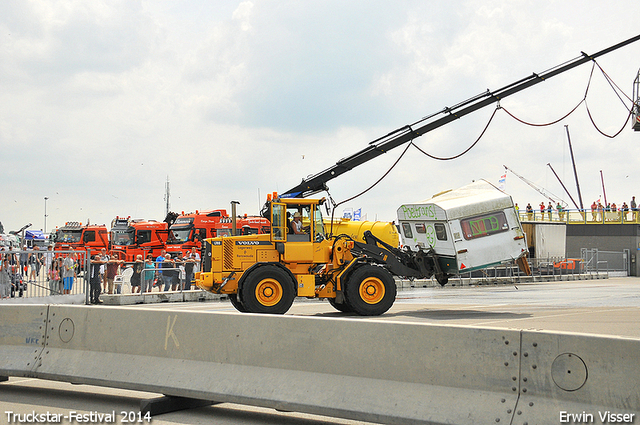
{"x":608,"y":307}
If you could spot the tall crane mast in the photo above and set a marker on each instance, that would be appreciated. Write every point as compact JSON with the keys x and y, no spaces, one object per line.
{"x":317,"y":182}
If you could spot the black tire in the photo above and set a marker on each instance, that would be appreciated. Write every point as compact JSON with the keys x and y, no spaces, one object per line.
{"x":268,"y":289}
{"x":343,"y":307}
{"x":370,"y":290}
{"x":442,"y":279}
{"x":237,"y":304}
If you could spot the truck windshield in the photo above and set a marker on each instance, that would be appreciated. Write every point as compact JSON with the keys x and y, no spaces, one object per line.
{"x":68,"y":236}
{"x":180,"y":234}
{"x":122,"y":237}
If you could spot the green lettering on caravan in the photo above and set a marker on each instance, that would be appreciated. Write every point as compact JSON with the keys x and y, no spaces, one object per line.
{"x":419,"y":212}
{"x":431,"y":235}
{"x":484,"y":225}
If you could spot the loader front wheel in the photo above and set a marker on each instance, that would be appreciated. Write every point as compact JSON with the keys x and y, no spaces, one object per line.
{"x":268,"y":289}
{"x":236,"y":303}
{"x":343,"y":306}
{"x":370,"y":290}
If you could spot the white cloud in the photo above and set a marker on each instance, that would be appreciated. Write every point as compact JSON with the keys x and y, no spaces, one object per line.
{"x":102,"y":100}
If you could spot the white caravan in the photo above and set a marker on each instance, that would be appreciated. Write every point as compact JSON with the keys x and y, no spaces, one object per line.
{"x":470,"y":228}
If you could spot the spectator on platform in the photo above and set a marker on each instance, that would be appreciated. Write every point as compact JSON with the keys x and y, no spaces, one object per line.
{"x":594,"y":209}
{"x":111,"y":270}
{"x":600,"y":211}
{"x":95,"y":279}
{"x":5,"y":278}
{"x":24,"y":259}
{"x":35,"y":261}
{"x":159,"y":260}
{"x":634,"y":207}
{"x":560,"y":211}
{"x":104,"y":257}
{"x":69,"y":266}
{"x":148,"y":274}
{"x":48,"y":258}
{"x":189,"y":264}
{"x":136,"y":277}
{"x":549,"y":210}
{"x":196,"y":256}
{"x":529,"y":212}
{"x":542,"y":208}
{"x":55,"y":281}
{"x":168,"y":276}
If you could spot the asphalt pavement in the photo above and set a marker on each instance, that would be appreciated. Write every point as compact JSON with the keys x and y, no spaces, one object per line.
{"x":606,"y":307}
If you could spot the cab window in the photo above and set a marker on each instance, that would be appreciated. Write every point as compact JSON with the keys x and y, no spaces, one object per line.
{"x":278,"y":222}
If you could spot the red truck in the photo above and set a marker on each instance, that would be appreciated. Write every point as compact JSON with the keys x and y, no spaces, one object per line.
{"x":188,"y":230}
{"x":76,"y":236}
{"x":132,"y":237}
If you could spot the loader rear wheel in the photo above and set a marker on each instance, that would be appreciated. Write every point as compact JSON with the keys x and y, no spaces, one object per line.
{"x":370,"y":290}
{"x":268,"y":289}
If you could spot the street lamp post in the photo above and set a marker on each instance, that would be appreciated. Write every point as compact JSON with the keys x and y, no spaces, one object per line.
{"x":45,"y":214}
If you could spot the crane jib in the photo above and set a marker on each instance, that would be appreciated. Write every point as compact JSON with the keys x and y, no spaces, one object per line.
{"x":407,"y":133}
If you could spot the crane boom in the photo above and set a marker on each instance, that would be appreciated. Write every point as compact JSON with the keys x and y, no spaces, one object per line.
{"x":542,"y":191}
{"x":317,"y":182}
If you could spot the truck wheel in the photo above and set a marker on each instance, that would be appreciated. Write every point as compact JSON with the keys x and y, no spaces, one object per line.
{"x":370,"y":290}
{"x":343,"y":307}
{"x":237,"y":304}
{"x":268,"y":289}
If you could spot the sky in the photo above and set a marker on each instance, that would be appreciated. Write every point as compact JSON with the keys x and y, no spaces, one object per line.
{"x":103,"y":102}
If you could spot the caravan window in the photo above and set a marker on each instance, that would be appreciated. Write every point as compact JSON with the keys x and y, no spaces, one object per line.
{"x":484,"y":225}
{"x":406,"y":228}
{"x":420,"y":228}
{"x":441,"y":231}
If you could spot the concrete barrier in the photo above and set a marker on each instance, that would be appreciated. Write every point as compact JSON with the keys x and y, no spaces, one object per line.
{"x":22,"y":338}
{"x":386,"y":372}
{"x":569,"y":378}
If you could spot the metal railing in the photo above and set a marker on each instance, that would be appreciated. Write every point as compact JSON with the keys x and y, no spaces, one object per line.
{"x":582,"y":216}
{"x":596,"y":260}
{"x":29,"y":273}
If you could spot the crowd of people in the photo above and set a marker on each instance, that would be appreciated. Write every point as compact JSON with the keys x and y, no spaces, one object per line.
{"x":19,"y":268}
{"x":597,"y":210}
{"x":164,"y":272}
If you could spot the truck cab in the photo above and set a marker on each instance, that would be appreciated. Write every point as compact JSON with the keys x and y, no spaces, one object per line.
{"x":133,"y":237}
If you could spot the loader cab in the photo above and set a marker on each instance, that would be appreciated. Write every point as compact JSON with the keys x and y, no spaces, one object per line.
{"x":284,"y":214}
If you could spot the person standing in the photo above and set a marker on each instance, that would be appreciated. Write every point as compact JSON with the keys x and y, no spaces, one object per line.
{"x":159,"y":261}
{"x":148,"y":274}
{"x":68,"y":272}
{"x":189,"y":264}
{"x":95,"y":280}
{"x":529,"y":211}
{"x":103,"y":259}
{"x":5,"y":278}
{"x":24,"y":259}
{"x":634,"y":207}
{"x":168,"y":275}
{"x":136,"y":277}
{"x":53,"y":274}
{"x":111,"y":270}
